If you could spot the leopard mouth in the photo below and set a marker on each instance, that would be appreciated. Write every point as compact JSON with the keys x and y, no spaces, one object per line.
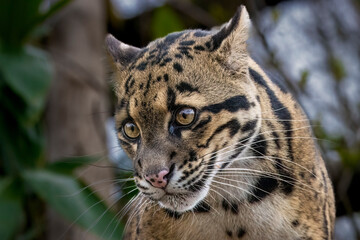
{"x":182,"y":202}
{"x":179,"y":196}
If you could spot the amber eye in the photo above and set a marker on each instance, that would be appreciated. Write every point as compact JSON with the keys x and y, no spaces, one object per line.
{"x":131,"y":130}
{"x":185,"y":116}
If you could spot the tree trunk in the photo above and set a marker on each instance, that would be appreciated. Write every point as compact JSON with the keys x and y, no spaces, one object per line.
{"x":78,"y":101}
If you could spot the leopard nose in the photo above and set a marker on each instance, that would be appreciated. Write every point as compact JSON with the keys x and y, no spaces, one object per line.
{"x":158,"y":180}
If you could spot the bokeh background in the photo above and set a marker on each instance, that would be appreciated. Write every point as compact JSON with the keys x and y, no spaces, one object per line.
{"x":62,"y":175}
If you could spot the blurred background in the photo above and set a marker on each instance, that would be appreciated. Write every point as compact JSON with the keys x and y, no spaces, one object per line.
{"x":62,"y":175}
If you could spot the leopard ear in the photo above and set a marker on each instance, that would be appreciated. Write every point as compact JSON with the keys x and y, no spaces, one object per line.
{"x":121,"y":53}
{"x":230,"y":41}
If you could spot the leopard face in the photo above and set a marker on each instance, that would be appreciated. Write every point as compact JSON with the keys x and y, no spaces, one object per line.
{"x":187,"y":108}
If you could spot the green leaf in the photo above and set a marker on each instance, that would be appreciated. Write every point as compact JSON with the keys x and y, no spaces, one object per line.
{"x":165,"y":21}
{"x":25,"y":77}
{"x":4,"y":184}
{"x":304,"y":79}
{"x":18,"y":18}
{"x":75,"y":202}
{"x":350,"y":157}
{"x":21,"y":142}
{"x":275,"y":15}
{"x":337,"y":68}
{"x":217,"y":10}
{"x":28,"y":73}
{"x":68,"y":165}
{"x":19,"y":148}
{"x":12,"y":215}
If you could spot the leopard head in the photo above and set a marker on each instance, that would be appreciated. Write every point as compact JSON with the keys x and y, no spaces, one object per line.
{"x":186,"y":108}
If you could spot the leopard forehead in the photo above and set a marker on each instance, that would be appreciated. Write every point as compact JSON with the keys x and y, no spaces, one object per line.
{"x":182,"y":62}
{"x":169,"y":61}
{"x":173,"y":49}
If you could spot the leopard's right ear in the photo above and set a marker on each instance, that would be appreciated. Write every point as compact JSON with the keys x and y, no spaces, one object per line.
{"x":121,"y":53}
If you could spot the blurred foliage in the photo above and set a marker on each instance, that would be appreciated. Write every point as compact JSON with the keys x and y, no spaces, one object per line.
{"x":17,"y":23}
{"x":27,"y":183}
{"x":304,"y":79}
{"x":337,"y":68}
{"x":337,"y":143}
{"x":218,"y":12}
{"x":164,"y":21}
{"x":75,"y":201}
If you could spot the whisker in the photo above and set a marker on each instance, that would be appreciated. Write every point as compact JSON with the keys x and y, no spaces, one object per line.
{"x":132,"y":186}
{"x":95,"y":154}
{"x":234,"y":186}
{"x":268,"y":157}
{"x":102,"y":215}
{"x":246,"y":139}
{"x":253,"y":172}
{"x":211,"y":207}
{"x":136,"y":211}
{"x":222,"y":189}
{"x":303,"y":186}
{"x":126,"y":207}
{"x":94,"y":184}
{"x":111,"y":167}
{"x":283,"y":159}
{"x":85,"y":171}
{"x":82,"y":214}
{"x":308,"y":189}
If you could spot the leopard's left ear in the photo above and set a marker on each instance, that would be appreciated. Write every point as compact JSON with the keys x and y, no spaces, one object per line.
{"x":121,"y":53}
{"x":230,"y":41}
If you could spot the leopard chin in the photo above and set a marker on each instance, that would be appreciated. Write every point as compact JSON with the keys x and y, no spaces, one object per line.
{"x":183,"y":202}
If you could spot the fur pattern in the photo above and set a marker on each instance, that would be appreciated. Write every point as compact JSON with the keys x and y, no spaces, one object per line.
{"x":246,"y":168}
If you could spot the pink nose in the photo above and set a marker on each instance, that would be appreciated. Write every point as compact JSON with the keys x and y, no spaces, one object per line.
{"x":158,"y":180}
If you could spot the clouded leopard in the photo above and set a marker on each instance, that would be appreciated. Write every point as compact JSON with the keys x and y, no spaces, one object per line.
{"x":219,"y":150}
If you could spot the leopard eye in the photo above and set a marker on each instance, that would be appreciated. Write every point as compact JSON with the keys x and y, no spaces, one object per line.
{"x":185,"y":116}
{"x":131,"y":130}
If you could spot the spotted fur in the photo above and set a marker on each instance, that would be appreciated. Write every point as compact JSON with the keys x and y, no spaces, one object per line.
{"x":246,"y":168}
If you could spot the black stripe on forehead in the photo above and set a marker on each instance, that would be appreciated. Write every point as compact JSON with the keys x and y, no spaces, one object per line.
{"x":232,"y":104}
{"x":122,"y":104}
{"x":123,"y":108}
{"x":187,"y":43}
{"x":148,"y":84}
{"x":186,"y":87}
{"x":127,"y":84}
{"x":171,"y":97}
{"x":159,"y":54}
